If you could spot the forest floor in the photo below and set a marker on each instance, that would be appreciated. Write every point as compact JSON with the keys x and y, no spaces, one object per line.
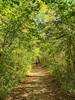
{"x":38,"y":86}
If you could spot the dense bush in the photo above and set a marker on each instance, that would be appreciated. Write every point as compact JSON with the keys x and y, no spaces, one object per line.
{"x":18,"y":49}
{"x":37,"y":30}
{"x":59,"y":44}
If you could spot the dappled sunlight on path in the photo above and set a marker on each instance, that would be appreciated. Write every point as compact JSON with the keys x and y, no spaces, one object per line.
{"x":38,"y":86}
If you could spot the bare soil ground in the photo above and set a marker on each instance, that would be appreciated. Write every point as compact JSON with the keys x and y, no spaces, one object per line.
{"x":38,"y":86}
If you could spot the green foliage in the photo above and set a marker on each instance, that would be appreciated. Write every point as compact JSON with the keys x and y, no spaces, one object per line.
{"x":18,"y":45}
{"x":29,"y":30}
{"x":57,"y":45}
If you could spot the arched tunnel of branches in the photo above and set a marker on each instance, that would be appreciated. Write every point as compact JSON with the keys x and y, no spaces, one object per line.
{"x":37,"y":35}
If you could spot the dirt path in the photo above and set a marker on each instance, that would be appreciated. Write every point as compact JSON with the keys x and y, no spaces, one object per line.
{"x":38,"y":86}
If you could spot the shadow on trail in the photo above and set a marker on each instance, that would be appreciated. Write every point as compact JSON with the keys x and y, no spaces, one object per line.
{"x":38,"y":86}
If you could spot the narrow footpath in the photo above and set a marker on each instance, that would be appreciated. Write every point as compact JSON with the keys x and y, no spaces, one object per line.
{"x":38,"y":86}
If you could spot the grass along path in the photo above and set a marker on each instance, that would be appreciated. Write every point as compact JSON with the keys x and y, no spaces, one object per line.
{"x":38,"y":86}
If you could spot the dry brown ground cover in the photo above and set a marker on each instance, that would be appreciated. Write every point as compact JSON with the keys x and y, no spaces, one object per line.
{"x":38,"y":86}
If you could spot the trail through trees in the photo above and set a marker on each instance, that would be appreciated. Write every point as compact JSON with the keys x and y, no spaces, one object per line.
{"x":38,"y":86}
